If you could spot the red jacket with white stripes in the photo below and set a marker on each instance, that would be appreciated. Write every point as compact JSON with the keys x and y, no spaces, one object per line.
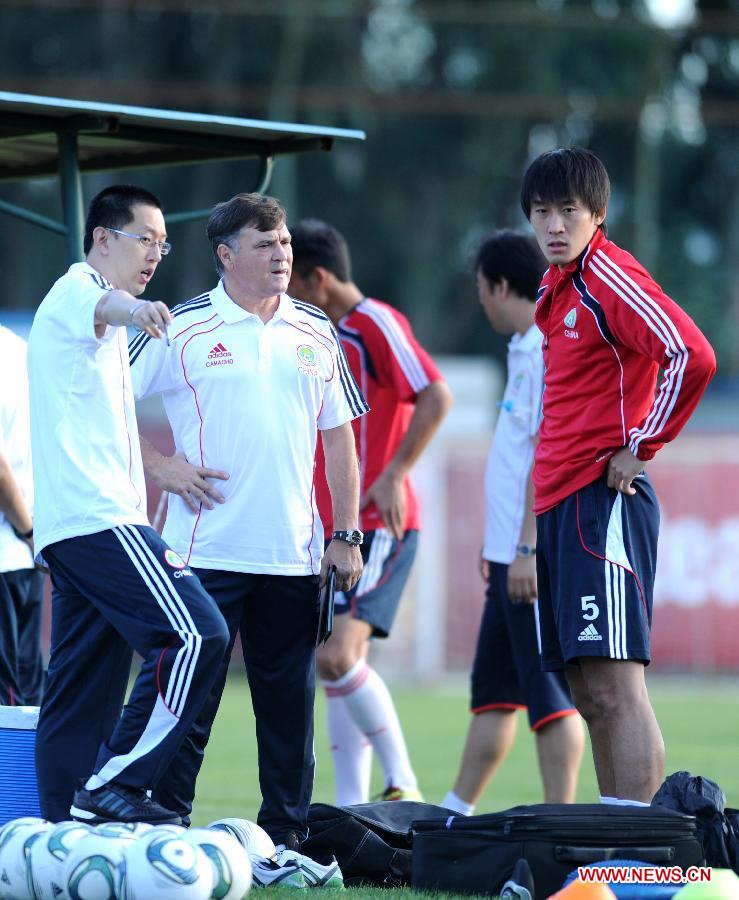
{"x":391,"y":368}
{"x":608,"y":328}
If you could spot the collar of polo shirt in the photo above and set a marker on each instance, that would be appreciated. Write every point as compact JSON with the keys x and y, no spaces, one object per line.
{"x":231,"y":312}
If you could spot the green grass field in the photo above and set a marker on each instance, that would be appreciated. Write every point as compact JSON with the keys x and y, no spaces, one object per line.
{"x":699,"y":719}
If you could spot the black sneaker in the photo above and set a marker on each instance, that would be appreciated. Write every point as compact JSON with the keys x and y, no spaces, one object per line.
{"x":520,"y":886}
{"x":115,"y":802}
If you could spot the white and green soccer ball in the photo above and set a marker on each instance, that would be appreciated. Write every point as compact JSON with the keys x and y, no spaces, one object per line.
{"x":24,"y":820}
{"x":93,"y":868}
{"x":165,"y":867}
{"x":232,"y":875}
{"x":16,"y":840}
{"x":48,"y":855}
{"x":251,"y":836}
{"x":123,"y":829}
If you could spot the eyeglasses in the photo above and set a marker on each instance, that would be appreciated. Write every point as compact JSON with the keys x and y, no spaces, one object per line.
{"x":146,"y":242}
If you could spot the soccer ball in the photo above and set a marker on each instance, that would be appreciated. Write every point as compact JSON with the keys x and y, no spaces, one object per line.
{"x":153,"y":832}
{"x":123,"y":829}
{"x":251,"y":836}
{"x":47,"y":856}
{"x":92,"y":870}
{"x":16,"y":823}
{"x":15,"y":845}
{"x":24,"y":820}
{"x":171,"y":828}
{"x":168,"y":868}
{"x":231,"y":864}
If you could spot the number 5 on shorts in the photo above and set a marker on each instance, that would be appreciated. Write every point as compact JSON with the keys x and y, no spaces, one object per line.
{"x":590,"y":609}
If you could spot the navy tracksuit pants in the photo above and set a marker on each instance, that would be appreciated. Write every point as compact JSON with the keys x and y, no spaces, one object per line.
{"x":277,"y":618}
{"x":114,"y":591}
{"x":21,"y":663}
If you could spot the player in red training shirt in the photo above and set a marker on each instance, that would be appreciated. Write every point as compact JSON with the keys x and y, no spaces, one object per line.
{"x":608,"y":329}
{"x":407,"y":399}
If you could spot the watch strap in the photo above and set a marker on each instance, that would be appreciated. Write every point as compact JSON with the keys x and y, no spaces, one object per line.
{"x":354,"y":537}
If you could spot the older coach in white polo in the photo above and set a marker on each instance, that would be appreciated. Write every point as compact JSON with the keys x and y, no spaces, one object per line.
{"x":250,"y":378}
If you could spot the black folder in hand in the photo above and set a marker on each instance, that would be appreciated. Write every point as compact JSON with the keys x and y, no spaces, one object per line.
{"x":326,"y":607}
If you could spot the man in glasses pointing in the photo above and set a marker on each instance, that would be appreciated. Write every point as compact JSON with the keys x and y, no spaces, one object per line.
{"x":116,"y":584}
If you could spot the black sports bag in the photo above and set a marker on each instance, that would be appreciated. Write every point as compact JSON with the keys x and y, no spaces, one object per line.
{"x":476,"y":854}
{"x":371,"y":841}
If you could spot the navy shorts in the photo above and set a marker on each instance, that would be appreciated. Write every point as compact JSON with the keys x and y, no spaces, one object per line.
{"x":387,"y":564}
{"x":507,"y":671}
{"x":595,"y":561}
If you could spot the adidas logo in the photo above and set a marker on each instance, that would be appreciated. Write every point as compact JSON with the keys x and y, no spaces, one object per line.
{"x":590,"y":633}
{"x":219,"y":356}
{"x":218,"y":352}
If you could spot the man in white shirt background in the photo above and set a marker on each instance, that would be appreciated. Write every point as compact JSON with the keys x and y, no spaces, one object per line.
{"x":507,"y":672}
{"x":21,"y":584}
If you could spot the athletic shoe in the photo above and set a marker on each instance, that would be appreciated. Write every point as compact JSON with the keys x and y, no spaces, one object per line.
{"x":270,"y":873}
{"x":399,"y":793}
{"x":520,"y":886}
{"x":315,"y":874}
{"x":115,"y":802}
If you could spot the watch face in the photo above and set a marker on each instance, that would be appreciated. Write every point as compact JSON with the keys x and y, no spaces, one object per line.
{"x":354,"y":537}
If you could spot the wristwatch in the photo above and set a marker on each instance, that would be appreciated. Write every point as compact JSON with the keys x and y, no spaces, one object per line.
{"x":526,"y":551}
{"x":23,"y":535}
{"x":354,"y":537}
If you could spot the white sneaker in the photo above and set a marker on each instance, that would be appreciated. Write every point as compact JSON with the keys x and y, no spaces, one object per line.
{"x":314,"y":873}
{"x":271,"y":873}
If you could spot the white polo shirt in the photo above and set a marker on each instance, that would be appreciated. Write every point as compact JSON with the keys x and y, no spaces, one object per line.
{"x":512,"y":452}
{"x":15,"y":442}
{"x":87,"y":466}
{"x":248,"y":397}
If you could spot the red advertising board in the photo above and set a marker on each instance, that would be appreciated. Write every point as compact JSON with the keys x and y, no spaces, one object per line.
{"x":696,"y":613}
{"x":696,"y":619}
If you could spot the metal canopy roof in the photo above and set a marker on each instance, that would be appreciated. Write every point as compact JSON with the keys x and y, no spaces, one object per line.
{"x":110,"y":136}
{"x":42,"y":136}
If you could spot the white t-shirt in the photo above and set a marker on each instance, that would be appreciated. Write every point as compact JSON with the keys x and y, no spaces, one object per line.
{"x":512,"y":452}
{"x":87,"y":467}
{"x":248,"y":397}
{"x":15,"y":442}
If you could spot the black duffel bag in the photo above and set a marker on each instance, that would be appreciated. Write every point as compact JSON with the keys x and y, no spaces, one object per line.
{"x":371,"y":841}
{"x":477,"y":854}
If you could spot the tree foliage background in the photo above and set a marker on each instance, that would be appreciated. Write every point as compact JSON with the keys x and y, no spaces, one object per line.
{"x":456,"y":97}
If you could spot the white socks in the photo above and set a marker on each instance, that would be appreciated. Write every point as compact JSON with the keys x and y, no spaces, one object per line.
{"x":369,"y":706}
{"x":619,"y":801}
{"x":352,"y":755}
{"x":457,"y":804}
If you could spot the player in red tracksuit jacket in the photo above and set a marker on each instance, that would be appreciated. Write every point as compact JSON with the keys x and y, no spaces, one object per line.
{"x":608,"y":330}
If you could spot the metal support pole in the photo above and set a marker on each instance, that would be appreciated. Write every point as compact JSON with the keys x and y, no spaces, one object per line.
{"x":34,"y":218}
{"x":264,"y":176}
{"x":69,"y":172}
{"x":192,"y":216}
